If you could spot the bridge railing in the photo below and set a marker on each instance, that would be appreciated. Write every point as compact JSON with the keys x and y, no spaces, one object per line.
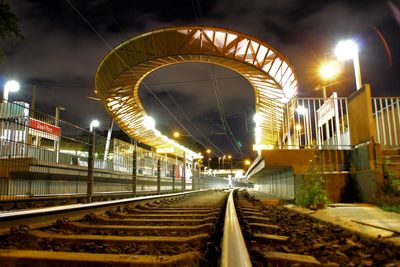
{"x":42,"y":155}
{"x":320,"y":123}
{"x":386,"y":115}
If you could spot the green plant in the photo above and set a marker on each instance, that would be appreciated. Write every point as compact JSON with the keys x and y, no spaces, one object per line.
{"x":313,"y":194}
{"x":391,"y":207}
{"x":391,"y":184}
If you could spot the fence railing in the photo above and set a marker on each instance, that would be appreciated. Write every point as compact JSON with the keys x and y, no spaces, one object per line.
{"x":321,"y":123}
{"x":386,"y":114}
{"x":44,"y":156}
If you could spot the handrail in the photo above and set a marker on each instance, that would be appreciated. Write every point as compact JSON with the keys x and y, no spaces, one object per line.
{"x":234,"y":251}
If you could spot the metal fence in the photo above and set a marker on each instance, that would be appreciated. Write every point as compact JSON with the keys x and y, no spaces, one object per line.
{"x":320,"y":123}
{"x":386,"y":114}
{"x":44,"y":156}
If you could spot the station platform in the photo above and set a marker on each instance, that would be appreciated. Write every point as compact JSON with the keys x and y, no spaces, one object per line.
{"x":365,"y":219}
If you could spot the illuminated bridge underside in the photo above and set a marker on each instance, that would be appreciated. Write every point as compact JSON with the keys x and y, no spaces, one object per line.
{"x":120,"y":73}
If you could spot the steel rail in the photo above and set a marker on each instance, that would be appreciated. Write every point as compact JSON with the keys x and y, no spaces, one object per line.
{"x":234,"y":250}
{"x":44,"y":217}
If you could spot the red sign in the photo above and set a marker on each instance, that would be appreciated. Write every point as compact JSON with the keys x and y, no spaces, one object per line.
{"x":44,"y":127}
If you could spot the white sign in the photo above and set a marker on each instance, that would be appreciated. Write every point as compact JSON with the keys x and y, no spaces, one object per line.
{"x":165,"y":150}
{"x":257,"y":147}
{"x":326,"y":111}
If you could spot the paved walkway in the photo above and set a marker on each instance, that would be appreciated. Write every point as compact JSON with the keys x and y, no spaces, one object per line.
{"x":365,"y":219}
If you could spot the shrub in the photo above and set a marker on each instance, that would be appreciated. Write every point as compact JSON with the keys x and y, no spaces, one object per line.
{"x":313,"y":194}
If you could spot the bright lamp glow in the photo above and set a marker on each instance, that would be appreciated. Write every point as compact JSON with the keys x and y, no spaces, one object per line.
{"x":257,"y":118}
{"x":208,"y":151}
{"x":301,"y":110}
{"x":346,"y":49}
{"x":12,"y":86}
{"x":176,"y":134}
{"x":247,"y":162}
{"x":94,"y":124}
{"x":328,"y":71}
{"x":298,"y":127}
{"x":149,"y":122}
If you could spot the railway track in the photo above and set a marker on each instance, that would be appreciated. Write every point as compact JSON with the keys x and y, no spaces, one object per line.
{"x":276,"y":236}
{"x":177,"y":230}
{"x":209,"y":228}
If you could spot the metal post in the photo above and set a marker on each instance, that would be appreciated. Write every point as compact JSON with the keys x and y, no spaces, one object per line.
{"x":33,"y":100}
{"x":134,"y":169}
{"x":158,"y":176}
{"x":184,"y":172}
{"x":57,"y":139}
{"x":357,"y":70}
{"x":289,"y":139}
{"x":90,"y":167}
{"x":173,"y":177}
{"x":324,"y":92}
{"x":108,"y":141}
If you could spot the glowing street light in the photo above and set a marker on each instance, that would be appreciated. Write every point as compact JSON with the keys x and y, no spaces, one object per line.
{"x":328,"y":71}
{"x":10,"y":86}
{"x":301,"y":110}
{"x":176,"y":134}
{"x":149,"y":122}
{"x":247,"y":162}
{"x":94,"y":124}
{"x":348,"y":49}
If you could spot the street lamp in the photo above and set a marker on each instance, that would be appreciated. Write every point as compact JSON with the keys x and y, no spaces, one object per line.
{"x":208,"y":151}
{"x":94,"y":124}
{"x":176,"y":134}
{"x":149,"y":123}
{"x":328,"y":71}
{"x":348,"y":49}
{"x":230,"y":159}
{"x":223,"y":161}
{"x":301,"y":110}
{"x":10,"y":86}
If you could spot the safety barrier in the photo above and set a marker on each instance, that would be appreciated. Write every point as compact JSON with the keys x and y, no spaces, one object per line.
{"x":386,"y":114}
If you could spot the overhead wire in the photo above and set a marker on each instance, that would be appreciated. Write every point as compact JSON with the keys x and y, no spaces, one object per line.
{"x":227,"y":129}
{"x":199,"y":14}
{"x":193,"y":125}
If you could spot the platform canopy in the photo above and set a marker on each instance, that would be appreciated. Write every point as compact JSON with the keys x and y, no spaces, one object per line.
{"x":122,"y":70}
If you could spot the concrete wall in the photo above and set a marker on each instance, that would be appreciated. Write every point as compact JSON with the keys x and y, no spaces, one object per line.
{"x":279,"y":184}
{"x":352,"y":175}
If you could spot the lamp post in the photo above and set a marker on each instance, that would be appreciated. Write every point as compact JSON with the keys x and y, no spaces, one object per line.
{"x":301,"y":110}
{"x":93,"y":124}
{"x":348,"y":49}
{"x":230,"y":159}
{"x":57,"y":140}
{"x":298,"y":129}
{"x":10,"y":86}
{"x":208,"y":151}
{"x":327,"y":71}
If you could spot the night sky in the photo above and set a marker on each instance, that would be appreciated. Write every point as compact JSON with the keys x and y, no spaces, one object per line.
{"x":60,"y":53}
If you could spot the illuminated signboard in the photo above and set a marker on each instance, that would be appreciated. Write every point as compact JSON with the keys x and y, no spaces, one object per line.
{"x":164,"y":150}
{"x":44,"y":127}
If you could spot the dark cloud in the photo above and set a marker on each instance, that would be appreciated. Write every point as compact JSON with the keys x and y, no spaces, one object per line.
{"x":60,"y":53}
